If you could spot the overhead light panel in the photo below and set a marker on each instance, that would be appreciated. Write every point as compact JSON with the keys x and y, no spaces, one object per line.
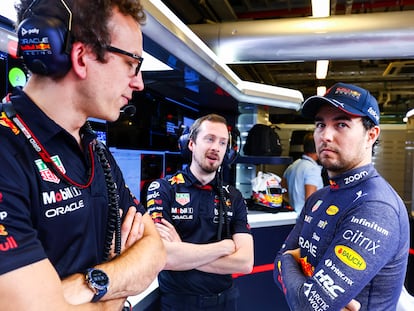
{"x":321,"y":90}
{"x":322,"y":69}
{"x":7,"y":10}
{"x":321,"y":8}
{"x":173,"y":35}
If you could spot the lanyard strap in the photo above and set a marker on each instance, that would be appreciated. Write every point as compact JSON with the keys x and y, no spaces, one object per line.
{"x":42,"y":152}
{"x":114,"y":222}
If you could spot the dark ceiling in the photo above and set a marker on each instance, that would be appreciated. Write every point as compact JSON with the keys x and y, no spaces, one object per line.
{"x":389,"y":80}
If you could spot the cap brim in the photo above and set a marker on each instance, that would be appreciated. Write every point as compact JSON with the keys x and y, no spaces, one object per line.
{"x":311,"y":106}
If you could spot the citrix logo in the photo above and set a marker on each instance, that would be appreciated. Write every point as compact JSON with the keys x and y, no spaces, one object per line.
{"x":361,"y":240}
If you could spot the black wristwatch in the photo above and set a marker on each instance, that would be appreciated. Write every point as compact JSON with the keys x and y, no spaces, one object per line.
{"x":98,"y":282}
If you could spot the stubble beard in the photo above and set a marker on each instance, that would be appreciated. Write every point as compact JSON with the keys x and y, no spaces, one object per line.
{"x":205,"y":167}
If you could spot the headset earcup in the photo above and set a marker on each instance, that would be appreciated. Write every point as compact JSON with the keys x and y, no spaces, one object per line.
{"x":233,"y":147}
{"x":183,"y":146}
{"x":42,"y":44}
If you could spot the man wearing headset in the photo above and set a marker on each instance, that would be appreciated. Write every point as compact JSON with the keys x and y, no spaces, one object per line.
{"x":203,"y":224}
{"x":72,"y":236}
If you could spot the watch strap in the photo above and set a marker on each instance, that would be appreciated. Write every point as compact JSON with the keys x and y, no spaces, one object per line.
{"x":99,"y":291}
{"x":98,"y":295}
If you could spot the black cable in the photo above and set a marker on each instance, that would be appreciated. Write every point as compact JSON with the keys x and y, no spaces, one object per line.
{"x":114,"y":218}
{"x":223,"y":219}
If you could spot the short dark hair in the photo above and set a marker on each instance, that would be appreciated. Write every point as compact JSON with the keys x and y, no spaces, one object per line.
{"x":368,"y":124}
{"x":89,"y":18}
{"x":309,"y":143}
{"x":212,"y":117}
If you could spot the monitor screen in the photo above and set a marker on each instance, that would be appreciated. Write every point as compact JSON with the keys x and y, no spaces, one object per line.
{"x":129,"y":161}
{"x":139,"y":168}
{"x":13,"y":73}
{"x":100,"y":128}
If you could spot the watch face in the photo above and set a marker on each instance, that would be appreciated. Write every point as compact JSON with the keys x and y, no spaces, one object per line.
{"x":99,"y":277}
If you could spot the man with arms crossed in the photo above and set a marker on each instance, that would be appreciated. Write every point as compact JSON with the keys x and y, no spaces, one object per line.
{"x":203,"y":224}
{"x":349,"y":247}
{"x":63,"y":199}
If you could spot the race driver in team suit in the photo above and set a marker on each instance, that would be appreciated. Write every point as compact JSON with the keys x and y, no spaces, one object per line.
{"x":349,"y":247}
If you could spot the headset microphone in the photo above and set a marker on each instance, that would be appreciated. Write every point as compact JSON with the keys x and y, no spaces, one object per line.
{"x":129,"y":110}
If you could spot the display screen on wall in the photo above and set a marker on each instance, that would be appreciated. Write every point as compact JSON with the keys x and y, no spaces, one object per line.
{"x":156,"y":125}
{"x":13,"y":73}
{"x":100,"y":128}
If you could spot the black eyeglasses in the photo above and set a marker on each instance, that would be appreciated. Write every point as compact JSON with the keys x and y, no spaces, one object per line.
{"x":138,"y":58}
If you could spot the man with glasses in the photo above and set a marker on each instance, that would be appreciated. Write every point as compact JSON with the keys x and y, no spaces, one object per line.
{"x":72,"y":235}
{"x":138,"y":59}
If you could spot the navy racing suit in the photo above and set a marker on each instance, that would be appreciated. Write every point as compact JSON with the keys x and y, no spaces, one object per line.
{"x":353,"y":238}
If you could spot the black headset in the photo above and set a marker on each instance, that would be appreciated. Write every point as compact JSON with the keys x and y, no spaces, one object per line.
{"x":44,"y":42}
{"x":232,"y":147}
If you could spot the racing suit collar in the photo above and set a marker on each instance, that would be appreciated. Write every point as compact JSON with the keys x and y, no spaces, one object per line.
{"x":352,"y":177}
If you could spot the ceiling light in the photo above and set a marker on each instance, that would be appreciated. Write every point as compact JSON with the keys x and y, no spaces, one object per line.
{"x":321,"y":90}
{"x":320,"y":8}
{"x":322,"y":69}
{"x":174,"y":36}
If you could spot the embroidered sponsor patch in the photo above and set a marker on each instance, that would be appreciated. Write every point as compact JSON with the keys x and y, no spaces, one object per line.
{"x":177,"y":179}
{"x":182,"y":198}
{"x":5,"y":121}
{"x":316,"y":206}
{"x":46,"y":173}
{"x":332,"y":210}
{"x":350,"y":257}
{"x":9,"y":243}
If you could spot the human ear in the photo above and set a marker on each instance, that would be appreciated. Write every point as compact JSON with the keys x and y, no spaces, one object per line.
{"x":190,"y":145}
{"x":373,"y":134}
{"x":78,"y":55}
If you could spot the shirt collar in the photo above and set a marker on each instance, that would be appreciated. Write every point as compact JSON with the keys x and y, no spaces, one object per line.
{"x":352,"y":177}
{"x":38,"y":122}
{"x":191,"y":180}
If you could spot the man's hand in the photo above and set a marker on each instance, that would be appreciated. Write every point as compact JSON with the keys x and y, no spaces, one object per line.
{"x":132,"y":230}
{"x":167,"y":231}
{"x":294,"y":252}
{"x":353,"y":305}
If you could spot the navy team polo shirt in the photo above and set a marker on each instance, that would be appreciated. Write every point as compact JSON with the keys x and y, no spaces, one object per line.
{"x":193,"y":210}
{"x":41,"y":215}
